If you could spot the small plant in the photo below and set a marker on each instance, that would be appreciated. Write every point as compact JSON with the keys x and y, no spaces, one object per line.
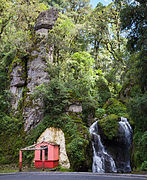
{"x":100,"y":113}
{"x":144,"y":166}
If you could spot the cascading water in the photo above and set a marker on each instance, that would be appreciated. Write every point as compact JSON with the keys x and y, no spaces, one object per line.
{"x":125,"y":130}
{"x":125,"y":134}
{"x":101,"y":159}
{"x":120,"y":148}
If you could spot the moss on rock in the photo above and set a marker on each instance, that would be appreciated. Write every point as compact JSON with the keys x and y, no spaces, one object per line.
{"x":114,"y":106}
{"x":109,"y":125}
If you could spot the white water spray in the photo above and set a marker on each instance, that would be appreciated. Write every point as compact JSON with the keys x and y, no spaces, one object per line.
{"x":125,"y":132}
{"x":102,"y":160}
{"x":100,"y":156}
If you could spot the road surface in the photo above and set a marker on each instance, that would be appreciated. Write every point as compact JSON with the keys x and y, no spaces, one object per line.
{"x":68,"y":176}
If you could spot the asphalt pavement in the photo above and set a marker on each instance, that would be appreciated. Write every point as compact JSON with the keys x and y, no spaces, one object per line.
{"x":69,"y":176}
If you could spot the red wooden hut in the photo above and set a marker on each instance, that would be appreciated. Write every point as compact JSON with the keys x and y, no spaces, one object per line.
{"x":46,"y":155}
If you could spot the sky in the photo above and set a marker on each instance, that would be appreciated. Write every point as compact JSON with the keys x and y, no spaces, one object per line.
{"x":95,"y":2}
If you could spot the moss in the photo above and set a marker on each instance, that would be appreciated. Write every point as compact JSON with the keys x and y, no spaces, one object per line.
{"x":77,"y":141}
{"x":17,"y":62}
{"x":114,"y":106}
{"x":12,"y":140}
{"x":109,"y":125}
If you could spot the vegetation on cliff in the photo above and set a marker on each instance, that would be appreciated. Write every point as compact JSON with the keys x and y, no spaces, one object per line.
{"x":94,"y":64}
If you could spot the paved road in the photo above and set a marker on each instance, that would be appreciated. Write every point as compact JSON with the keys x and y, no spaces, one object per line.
{"x":68,"y":176}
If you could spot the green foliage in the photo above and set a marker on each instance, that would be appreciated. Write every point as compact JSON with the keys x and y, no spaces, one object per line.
{"x":140,"y":154}
{"x":57,"y":97}
{"x":137,"y":111}
{"x":133,"y":17}
{"x":76,"y":152}
{"x":100,"y":112}
{"x":4,"y":93}
{"x":11,"y":130}
{"x":113,"y":106}
{"x":91,"y":64}
{"x":144,"y":166}
{"x":109,"y":125}
{"x":81,"y":65}
{"x":61,"y":36}
{"x":103,"y":90}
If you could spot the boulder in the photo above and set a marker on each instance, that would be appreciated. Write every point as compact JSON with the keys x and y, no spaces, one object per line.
{"x":55,"y":135}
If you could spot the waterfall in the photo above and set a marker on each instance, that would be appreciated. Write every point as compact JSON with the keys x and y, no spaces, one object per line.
{"x":102,"y":161}
{"x":125,"y":130}
{"x":120,"y":148}
{"x":125,"y":133}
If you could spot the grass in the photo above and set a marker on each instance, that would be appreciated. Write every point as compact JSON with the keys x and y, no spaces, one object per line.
{"x":8,"y":170}
{"x":139,"y":172}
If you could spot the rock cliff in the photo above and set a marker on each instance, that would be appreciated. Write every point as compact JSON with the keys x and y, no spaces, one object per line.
{"x":28,"y":73}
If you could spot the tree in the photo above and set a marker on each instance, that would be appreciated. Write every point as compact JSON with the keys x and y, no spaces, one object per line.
{"x":16,"y":25}
{"x":133,"y":17}
{"x":77,"y":9}
{"x":134,"y":20}
{"x":107,"y":44}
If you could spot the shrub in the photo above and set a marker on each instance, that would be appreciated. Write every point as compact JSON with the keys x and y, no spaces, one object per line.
{"x":100,"y":112}
{"x":113,"y":106}
{"x":144,"y":166}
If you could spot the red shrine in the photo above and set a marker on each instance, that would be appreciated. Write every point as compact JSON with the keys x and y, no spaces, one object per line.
{"x":46,"y":155}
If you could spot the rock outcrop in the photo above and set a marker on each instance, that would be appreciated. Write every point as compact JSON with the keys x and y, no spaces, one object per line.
{"x":27,"y":74}
{"x":75,"y":107}
{"x":47,"y":19}
{"x":17,"y":81}
{"x":36,"y":67}
{"x":54,"y":135}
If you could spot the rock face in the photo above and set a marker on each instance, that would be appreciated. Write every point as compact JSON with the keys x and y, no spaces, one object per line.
{"x":76,"y":107}
{"x":55,"y":135}
{"x":36,"y":71}
{"x":36,"y":67}
{"x":26,"y":75}
{"x":47,"y":19}
{"x":17,"y":80}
